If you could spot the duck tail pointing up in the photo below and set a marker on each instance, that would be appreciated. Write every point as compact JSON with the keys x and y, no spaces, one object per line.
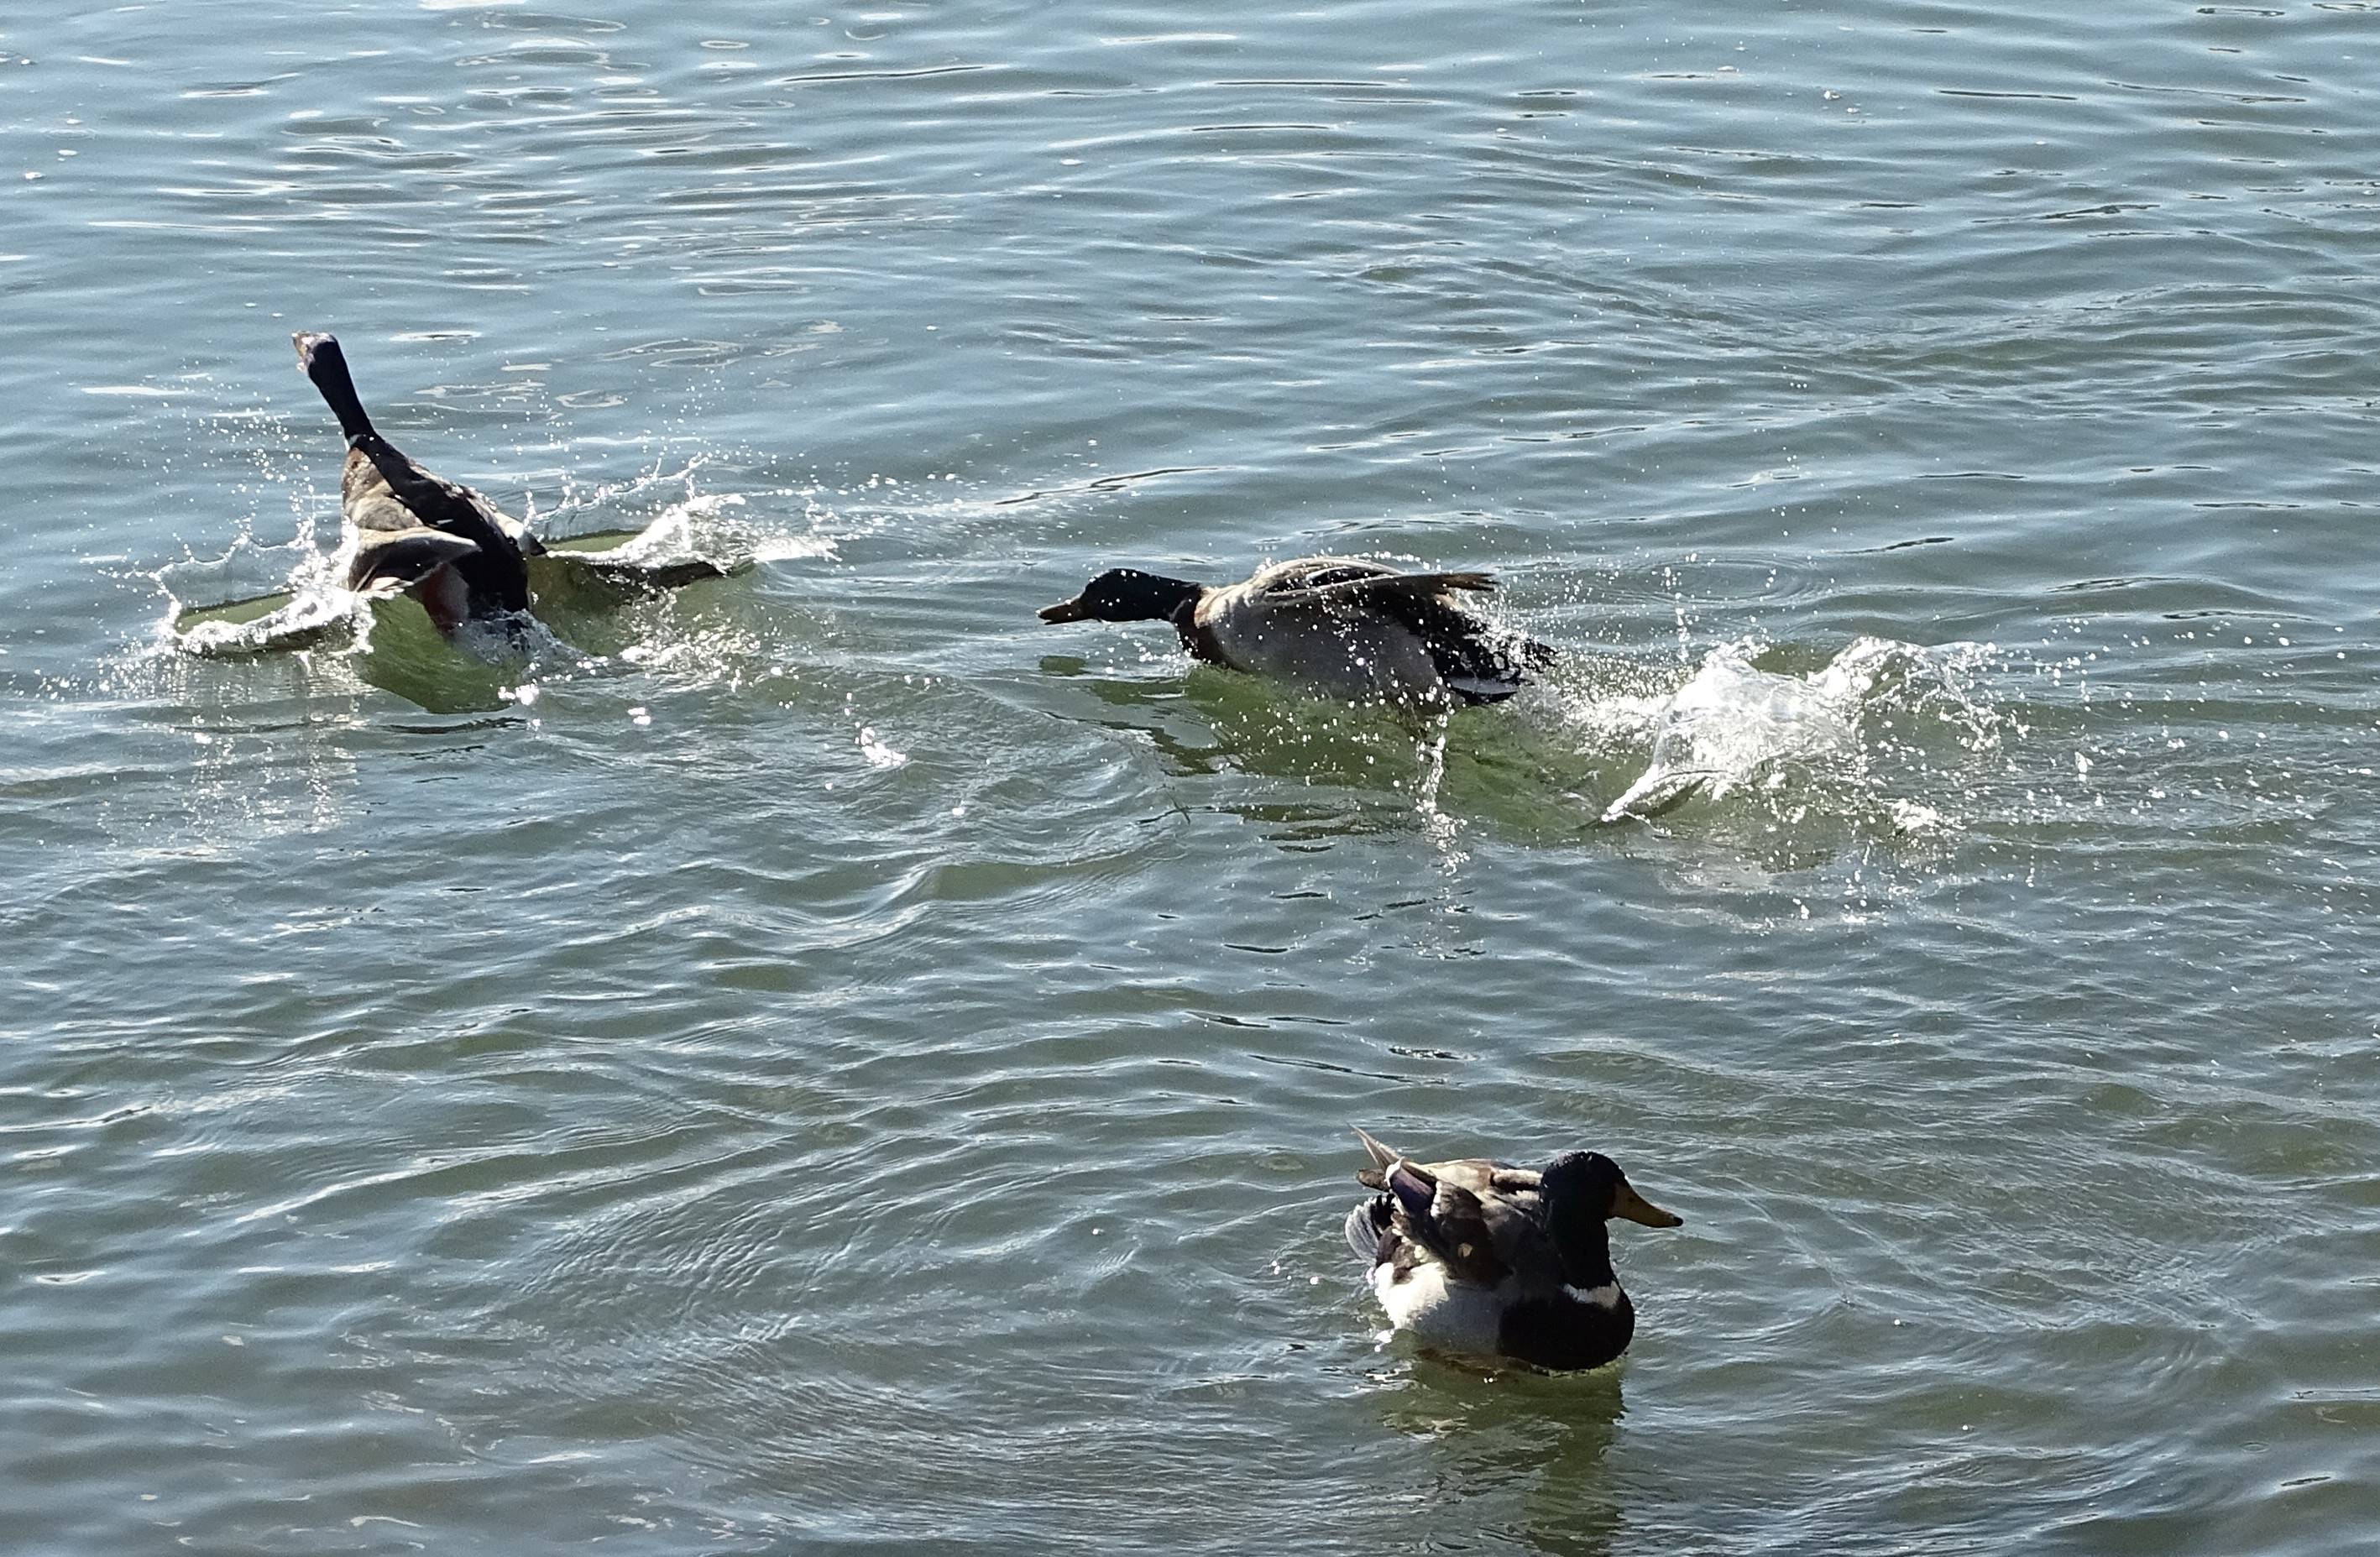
{"x":1383,"y":1156}
{"x":326,"y":364}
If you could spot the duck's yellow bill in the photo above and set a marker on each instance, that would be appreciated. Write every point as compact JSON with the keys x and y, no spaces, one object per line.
{"x":1642,"y":1212}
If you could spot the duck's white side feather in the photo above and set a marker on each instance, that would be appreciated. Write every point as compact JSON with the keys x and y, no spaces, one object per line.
{"x":1448,"y":1314}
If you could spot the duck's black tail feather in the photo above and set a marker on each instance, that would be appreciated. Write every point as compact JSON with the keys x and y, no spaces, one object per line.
{"x":326,"y":364}
{"x":1480,"y":665}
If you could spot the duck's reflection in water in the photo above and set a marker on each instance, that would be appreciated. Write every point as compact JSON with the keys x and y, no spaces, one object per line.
{"x":1510,"y":1459}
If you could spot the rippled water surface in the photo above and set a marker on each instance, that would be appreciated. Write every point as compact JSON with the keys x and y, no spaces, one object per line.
{"x":825,"y":1061}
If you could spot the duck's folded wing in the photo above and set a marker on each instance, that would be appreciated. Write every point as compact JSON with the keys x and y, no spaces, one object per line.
{"x":1315,"y":573}
{"x":1517,"y":1231}
{"x":385,"y":559}
{"x":1483,"y":662}
{"x":432,"y":497}
{"x":1457,"y":1227}
{"x":438,"y":502}
{"x":1342,"y":586}
{"x":1430,"y":604}
{"x":1477,"y":1174}
{"x":374,"y":511}
{"x":646,"y":575}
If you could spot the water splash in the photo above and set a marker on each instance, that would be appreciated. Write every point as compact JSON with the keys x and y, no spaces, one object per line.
{"x":693,"y":525}
{"x":880,"y":755}
{"x":312,"y":618}
{"x":255,"y":598}
{"x":259,"y":599}
{"x":1736,"y":726}
{"x":1441,"y":828}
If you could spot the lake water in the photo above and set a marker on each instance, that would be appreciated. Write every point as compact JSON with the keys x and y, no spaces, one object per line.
{"x":826,"y":1062}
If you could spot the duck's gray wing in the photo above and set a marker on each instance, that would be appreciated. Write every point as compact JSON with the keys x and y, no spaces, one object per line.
{"x":438,"y":502}
{"x":378,"y":478}
{"x":641,"y":576}
{"x":1478,"y":1175}
{"x":1383,"y":589}
{"x":1315,"y":573}
{"x":1516,"y":1228}
{"x":1472,"y":655}
{"x":366,"y":502}
{"x":1426,"y":604}
{"x":1459,"y":1227}
{"x":563,"y":576}
{"x":385,"y":559}
{"x":1484,"y":1220}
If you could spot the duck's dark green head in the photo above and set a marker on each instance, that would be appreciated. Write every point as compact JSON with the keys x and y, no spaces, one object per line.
{"x":1126,"y":595}
{"x":1585,"y":1186}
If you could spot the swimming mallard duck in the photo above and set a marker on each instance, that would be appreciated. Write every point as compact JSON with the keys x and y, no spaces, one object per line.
{"x":1339,"y":626}
{"x":410,"y":531}
{"x":1486,"y":1258}
{"x":442,"y":542}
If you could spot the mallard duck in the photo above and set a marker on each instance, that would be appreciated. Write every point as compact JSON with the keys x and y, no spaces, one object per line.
{"x":1484,"y":1258}
{"x":1339,"y":627}
{"x":410,"y":531}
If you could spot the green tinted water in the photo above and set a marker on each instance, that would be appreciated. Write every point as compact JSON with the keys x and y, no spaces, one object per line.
{"x":825,"y":1061}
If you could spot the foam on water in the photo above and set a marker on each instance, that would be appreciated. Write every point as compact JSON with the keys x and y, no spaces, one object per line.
{"x":571,"y":637}
{"x":1735,"y":726}
{"x":692,"y":525}
{"x":313,"y":616}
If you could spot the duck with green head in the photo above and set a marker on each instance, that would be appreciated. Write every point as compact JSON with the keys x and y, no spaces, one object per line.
{"x":1486,"y":1259}
{"x":1341,"y":627}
